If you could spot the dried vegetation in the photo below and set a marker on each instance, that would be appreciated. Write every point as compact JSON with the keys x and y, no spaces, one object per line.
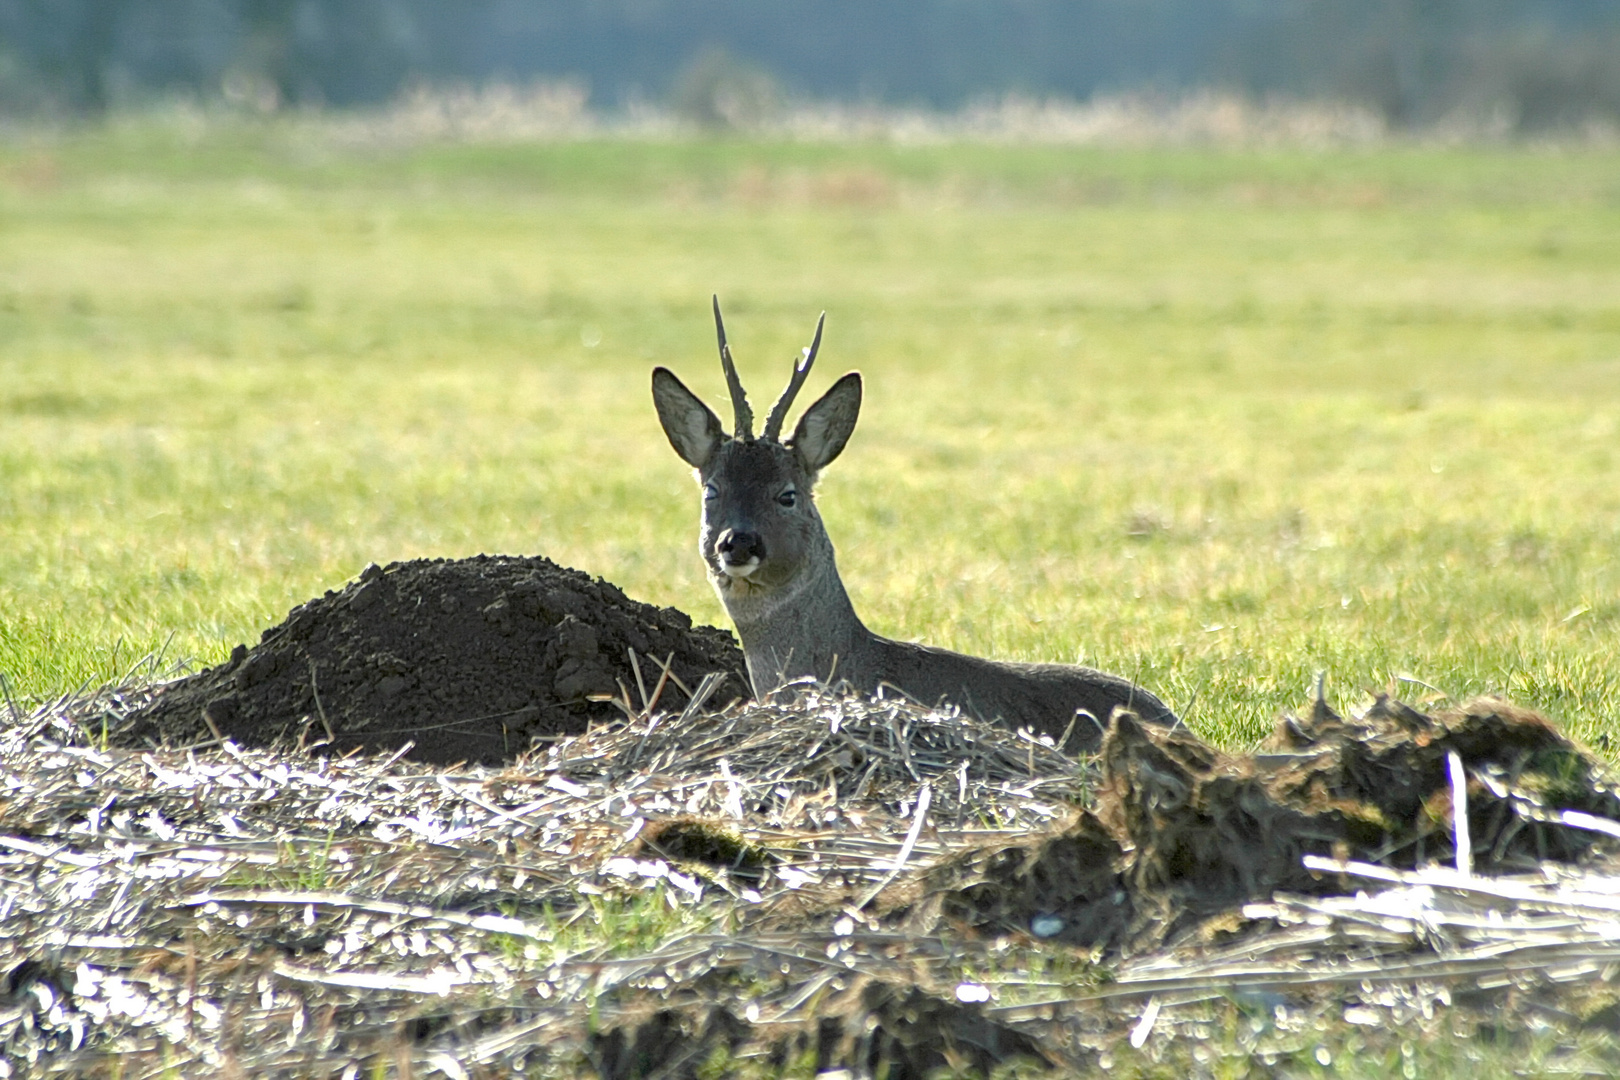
{"x":814,"y":880}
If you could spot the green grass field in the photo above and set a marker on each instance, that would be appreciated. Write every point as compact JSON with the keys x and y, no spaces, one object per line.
{"x":1218,"y":419}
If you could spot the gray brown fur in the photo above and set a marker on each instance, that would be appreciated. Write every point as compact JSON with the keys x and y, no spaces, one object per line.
{"x":772,"y":564}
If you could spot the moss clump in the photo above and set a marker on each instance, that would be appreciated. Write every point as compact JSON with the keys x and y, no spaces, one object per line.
{"x":701,"y":840}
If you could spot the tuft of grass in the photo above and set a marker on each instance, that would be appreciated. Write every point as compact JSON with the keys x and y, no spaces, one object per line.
{"x":1215,"y":419}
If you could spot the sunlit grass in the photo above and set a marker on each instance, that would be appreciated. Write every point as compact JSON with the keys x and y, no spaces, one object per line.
{"x":1216,"y":419}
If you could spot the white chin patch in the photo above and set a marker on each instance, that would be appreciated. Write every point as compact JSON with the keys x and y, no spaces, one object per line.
{"x":742,"y":570}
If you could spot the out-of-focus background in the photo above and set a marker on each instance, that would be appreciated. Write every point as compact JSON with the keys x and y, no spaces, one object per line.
{"x":1219,"y":343}
{"x":1518,"y":65}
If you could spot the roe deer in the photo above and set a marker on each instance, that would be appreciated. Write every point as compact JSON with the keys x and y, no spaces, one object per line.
{"x":770,"y":560}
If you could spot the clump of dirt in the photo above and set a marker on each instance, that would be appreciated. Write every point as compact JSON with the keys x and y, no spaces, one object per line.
{"x":469,"y":659}
{"x":872,"y":1027}
{"x":1182,"y":836}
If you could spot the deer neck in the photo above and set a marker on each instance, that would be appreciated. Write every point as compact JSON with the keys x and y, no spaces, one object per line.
{"x":807,"y":627}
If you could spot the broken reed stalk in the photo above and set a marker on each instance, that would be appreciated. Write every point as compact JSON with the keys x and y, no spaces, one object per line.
{"x":1459,"y":813}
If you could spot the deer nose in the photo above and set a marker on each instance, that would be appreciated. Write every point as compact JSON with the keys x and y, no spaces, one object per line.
{"x":737,"y":548}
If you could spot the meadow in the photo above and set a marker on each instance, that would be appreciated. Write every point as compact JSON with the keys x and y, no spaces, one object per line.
{"x":1216,"y":418}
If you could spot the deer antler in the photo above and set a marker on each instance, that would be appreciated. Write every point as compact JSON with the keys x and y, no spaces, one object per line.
{"x":744,"y":416}
{"x":801,"y":371}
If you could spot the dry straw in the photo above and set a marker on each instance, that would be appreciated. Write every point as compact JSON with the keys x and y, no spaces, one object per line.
{"x":270,"y":912}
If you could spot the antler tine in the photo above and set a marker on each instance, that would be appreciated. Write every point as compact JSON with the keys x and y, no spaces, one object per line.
{"x":801,"y":371}
{"x":744,"y":416}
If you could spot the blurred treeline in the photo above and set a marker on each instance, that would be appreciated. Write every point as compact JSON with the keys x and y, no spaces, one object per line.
{"x":1535,"y":65}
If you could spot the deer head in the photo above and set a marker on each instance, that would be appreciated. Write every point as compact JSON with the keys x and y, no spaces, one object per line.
{"x":761,"y":535}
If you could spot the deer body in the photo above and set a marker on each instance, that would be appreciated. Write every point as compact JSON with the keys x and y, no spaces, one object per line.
{"x":773,"y":566}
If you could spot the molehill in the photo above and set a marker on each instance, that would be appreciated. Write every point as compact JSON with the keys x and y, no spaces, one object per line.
{"x":466,"y":659}
{"x":1181,"y":836}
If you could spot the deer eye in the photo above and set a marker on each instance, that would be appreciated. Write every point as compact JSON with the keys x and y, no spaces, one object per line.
{"x":710,"y":492}
{"x":788,"y":498}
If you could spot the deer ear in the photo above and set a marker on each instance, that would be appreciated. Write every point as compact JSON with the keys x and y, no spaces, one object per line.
{"x":826,"y":426}
{"x":693,"y":429}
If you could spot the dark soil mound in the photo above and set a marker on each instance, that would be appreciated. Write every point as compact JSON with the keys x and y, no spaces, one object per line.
{"x":469,"y":659}
{"x":870,"y":1028}
{"x":1183,"y":835}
